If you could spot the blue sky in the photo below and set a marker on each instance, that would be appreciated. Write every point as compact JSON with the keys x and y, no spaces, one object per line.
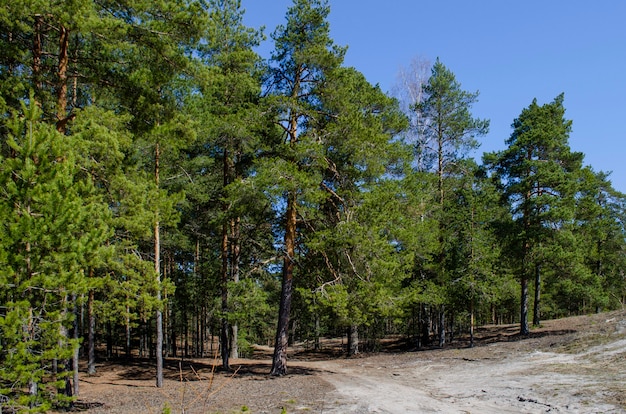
{"x":511,"y":52}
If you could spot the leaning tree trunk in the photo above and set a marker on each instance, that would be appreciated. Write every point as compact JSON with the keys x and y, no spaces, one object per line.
{"x":279,"y":361}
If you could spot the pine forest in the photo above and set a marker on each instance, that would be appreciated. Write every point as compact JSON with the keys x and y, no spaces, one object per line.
{"x":165,"y":191}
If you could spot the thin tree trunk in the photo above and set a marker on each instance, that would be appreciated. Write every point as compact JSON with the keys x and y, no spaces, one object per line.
{"x":317,"y":331}
{"x":524,"y":328}
{"x":64,"y":337}
{"x":37,"y":52}
{"x":157,"y":269}
{"x":471,"y":323}
{"x":353,"y":340}
{"x":236,"y":250}
{"x":61,"y":90}
{"x":127,"y":346}
{"x":279,"y":361}
{"x":76,"y":336}
{"x":225,"y":261}
{"x":91,"y":334}
{"x":442,"y":326}
{"x":109,"y":340}
{"x":425,"y":325}
{"x":224,"y":321}
{"x":537,"y":304}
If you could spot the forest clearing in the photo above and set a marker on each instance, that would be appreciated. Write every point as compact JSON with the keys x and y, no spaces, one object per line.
{"x":570,"y":365}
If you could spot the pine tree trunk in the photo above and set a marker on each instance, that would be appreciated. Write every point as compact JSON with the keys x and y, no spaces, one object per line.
{"x":353,"y":340}
{"x":442,"y":326}
{"x":524,"y":329}
{"x":224,"y":282}
{"x":317,"y":332}
{"x":471,"y":323}
{"x":536,"y":305}
{"x":61,"y":89}
{"x":128,"y":331}
{"x":235,"y":254}
{"x":63,"y":341}
{"x":76,"y":335}
{"x":37,"y":52}
{"x":157,"y":269}
{"x":109,"y":340}
{"x":279,"y":361}
{"x":91,"y":334}
{"x":425,"y":325}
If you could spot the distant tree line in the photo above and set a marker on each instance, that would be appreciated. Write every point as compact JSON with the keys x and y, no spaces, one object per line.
{"x":167,"y":192}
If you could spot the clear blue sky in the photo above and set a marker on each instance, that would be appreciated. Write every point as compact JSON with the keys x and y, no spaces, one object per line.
{"x":510,"y":51}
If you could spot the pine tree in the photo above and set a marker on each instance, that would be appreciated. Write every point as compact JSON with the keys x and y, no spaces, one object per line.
{"x":359,"y":157}
{"x":450,"y":133}
{"x":232,"y":119}
{"x":538,"y":175}
{"x":54,"y":228}
{"x":303,"y":56}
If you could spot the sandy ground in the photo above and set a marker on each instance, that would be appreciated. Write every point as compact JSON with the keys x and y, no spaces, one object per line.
{"x":573,"y":365}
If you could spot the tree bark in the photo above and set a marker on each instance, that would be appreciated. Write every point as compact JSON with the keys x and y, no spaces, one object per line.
{"x":235,"y":254}
{"x":157,"y":269}
{"x":471,"y":323}
{"x":91,"y":334}
{"x":442,"y":326}
{"x":537,"y":303}
{"x":224,"y":322}
{"x":61,"y":89}
{"x":279,"y":361}
{"x":524,"y":328}
{"x":37,"y":51}
{"x":353,"y":340}
{"x":76,"y":355}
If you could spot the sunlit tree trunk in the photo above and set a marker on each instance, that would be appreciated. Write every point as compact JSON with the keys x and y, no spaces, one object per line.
{"x":157,"y":269}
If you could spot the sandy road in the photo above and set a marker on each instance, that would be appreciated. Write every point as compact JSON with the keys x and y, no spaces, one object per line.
{"x":481,"y":381}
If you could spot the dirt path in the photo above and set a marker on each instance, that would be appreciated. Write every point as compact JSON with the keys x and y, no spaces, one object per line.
{"x":521,"y":377}
{"x":575,"y":365}
{"x":531,"y":383}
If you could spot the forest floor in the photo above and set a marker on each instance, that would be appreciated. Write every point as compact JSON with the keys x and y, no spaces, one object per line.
{"x":571,"y":365}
